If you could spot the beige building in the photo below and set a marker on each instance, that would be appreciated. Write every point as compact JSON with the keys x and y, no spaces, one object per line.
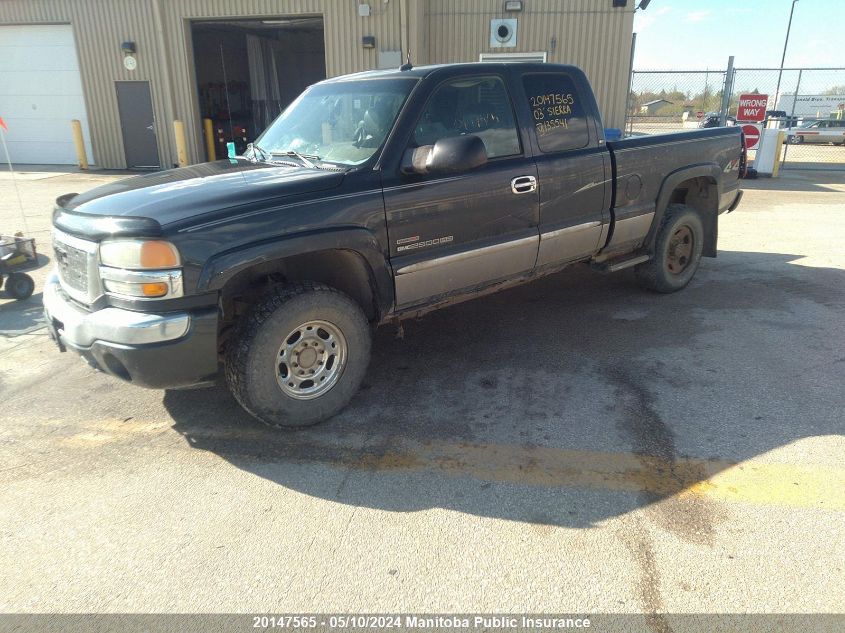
{"x":127,"y":69}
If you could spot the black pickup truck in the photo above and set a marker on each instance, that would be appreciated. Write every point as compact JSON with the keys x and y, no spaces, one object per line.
{"x":373,"y":197}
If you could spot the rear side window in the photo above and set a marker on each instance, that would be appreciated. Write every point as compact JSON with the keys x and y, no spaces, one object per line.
{"x":558,"y":112}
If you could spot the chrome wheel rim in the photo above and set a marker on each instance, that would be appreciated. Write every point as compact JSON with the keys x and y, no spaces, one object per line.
{"x":310,"y":360}
{"x":681,"y":246}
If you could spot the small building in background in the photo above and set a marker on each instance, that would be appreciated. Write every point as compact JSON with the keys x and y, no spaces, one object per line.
{"x":654,"y":107}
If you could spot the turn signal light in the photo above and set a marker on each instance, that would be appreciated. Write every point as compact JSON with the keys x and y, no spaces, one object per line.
{"x":154,"y":289}
{"x":155,"y":254}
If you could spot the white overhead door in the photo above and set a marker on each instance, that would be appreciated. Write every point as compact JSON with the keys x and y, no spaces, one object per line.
{"x":40,"y":93}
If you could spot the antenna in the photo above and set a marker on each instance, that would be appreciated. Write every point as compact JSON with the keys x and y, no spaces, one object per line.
{"x":407,"y":65}
{"x":226,"y":90}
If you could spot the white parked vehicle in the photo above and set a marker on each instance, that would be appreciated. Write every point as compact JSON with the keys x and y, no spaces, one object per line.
{"x":827,"y":131}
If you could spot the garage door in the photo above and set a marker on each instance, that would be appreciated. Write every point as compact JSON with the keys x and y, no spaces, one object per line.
{"x":40,"y":93}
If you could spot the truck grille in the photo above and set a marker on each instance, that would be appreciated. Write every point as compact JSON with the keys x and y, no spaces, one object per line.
{"x":73,"y":266}
{"x":77,"y":261}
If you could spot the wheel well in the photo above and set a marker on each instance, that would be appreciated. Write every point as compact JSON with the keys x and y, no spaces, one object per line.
{"x":341,"y":269}
{"x":701,"y":194}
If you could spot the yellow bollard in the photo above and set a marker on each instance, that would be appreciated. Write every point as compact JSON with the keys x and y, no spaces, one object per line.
{"x":79,"y":143}
{"x":181,"y":145}
{"x":209,"y":139}
{"x":779,"y":155}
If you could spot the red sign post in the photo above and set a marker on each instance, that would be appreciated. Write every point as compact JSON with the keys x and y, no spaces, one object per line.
{"x":752,"y":107}
{"x":752,"y":136}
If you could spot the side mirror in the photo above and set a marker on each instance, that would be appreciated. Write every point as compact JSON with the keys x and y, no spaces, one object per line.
{"x":450,"y":155}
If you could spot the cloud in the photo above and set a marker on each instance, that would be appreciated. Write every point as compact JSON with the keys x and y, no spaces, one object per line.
{"x":812,"y":52}
{"x":697,"y":16}
{"x":644,"y":19}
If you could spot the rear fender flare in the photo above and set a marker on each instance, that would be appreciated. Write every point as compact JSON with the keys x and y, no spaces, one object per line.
{"x":670,"y":183}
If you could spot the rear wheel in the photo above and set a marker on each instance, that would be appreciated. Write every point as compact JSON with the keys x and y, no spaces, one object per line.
{"x":299,"y":355}
{"x":677,"y":251}
{"x":19,"y":286}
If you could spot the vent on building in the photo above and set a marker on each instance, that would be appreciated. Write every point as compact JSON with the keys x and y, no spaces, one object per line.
{"x":503,"y":33}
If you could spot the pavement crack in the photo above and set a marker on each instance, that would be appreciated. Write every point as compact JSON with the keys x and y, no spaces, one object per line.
{"x":334,"y":549}
{"x":688,"y":516}
{"x":648,"y":585}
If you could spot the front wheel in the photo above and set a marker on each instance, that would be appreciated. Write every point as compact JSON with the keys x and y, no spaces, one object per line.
{"x":677,"y":251}
{"x":299,"y":355}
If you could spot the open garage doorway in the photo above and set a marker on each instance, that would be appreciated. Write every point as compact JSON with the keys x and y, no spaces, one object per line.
{"x":248,"y":71}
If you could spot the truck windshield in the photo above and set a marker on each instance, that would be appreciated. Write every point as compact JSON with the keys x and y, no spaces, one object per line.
{"x":341,"y":122}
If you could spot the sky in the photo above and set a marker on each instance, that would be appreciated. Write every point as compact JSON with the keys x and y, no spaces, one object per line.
{"x":701,"y":34}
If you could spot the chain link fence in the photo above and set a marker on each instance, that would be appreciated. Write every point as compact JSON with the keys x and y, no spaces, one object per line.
{"x":808,"y":103}
{"x":668,"y":101}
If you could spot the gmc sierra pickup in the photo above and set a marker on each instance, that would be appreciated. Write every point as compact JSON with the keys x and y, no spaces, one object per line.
{"x":372,"y":197}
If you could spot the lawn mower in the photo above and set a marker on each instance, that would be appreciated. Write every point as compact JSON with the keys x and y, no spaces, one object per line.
{"x":17,"y":255}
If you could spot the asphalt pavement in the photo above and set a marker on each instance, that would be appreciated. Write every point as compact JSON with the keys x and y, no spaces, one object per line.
{"x":573,"y":445}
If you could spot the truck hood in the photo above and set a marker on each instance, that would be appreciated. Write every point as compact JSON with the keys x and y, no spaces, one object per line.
{"x":176,"y":195}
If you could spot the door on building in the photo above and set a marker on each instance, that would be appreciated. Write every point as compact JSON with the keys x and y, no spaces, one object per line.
{"x":248,"y":71}
{"x":40,"y":92}
{"x":137,"y":123}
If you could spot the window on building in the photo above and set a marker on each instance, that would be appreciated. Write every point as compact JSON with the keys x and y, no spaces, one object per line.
{"x":471,"y":105}
{"x":558,"y":112}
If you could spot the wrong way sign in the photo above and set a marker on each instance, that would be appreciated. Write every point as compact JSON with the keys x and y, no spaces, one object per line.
{"x":752,"y":135}
{"x":752,"y":107}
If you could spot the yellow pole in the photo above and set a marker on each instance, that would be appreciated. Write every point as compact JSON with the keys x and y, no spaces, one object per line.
{"x":79,"y":143}
{"x":181,"y":144}
{"x":209,"y":139}
{"x":779,"y":154}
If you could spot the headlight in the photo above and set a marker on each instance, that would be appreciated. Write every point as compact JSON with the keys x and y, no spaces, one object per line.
{"x":144,"y":269}
{"x":139,"y":254}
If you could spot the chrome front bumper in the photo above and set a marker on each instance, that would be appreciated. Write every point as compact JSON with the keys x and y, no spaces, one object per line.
{"x":80,"y":329}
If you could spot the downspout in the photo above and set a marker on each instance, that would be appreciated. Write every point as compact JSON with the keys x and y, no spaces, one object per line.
{"x":404,"y":31}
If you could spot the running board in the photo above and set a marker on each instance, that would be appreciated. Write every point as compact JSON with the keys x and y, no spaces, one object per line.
{"x":619,"y":264}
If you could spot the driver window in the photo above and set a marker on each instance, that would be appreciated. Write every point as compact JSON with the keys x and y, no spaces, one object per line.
{"x":470,"y":105}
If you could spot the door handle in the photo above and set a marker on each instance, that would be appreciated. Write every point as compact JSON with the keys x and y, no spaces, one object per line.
{"x":524,"y":184}
{"x":151,"y":127}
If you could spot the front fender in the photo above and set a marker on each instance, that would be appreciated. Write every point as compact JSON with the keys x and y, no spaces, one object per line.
{"x":220,"y":268}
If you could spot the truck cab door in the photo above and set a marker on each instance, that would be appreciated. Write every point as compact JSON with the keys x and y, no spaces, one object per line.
{"x":452,"y":233}
{"x":573,"y":166}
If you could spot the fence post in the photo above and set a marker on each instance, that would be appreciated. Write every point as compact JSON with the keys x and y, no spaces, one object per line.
{"x":791,"y":122}
{"x":727,"y":91}
{"x":630,"y":87}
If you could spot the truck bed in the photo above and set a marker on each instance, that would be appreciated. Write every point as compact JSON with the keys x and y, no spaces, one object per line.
{"x":642,"y":171}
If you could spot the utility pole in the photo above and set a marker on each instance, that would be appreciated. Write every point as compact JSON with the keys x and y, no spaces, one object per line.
{"x":783,"y":58}
{"x":727,"y":92}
